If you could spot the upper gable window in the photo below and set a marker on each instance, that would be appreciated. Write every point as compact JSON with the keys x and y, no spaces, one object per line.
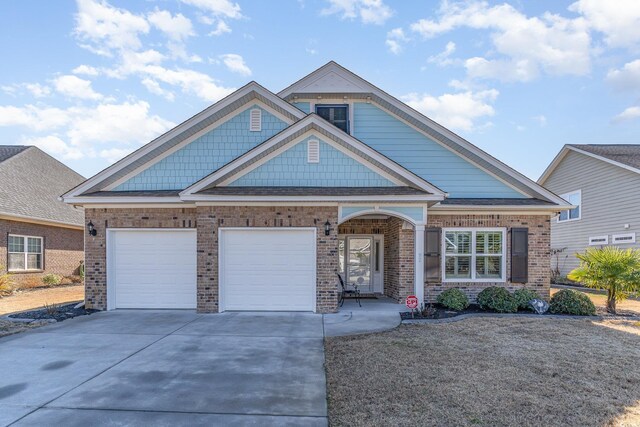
{"x":255,"y":120}
{"x":337,"y":115}
{"x":575,"y":198}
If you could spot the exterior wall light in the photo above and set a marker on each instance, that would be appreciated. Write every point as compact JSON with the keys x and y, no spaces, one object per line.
{"x":327,"y":228}
{"x":91,"y":229}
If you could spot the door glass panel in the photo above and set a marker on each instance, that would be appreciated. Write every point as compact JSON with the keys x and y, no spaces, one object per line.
{"x":341,"y":256}
{"x":359,"y":262}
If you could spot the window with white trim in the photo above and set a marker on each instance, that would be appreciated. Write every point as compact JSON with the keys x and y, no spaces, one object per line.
{"x":255,"y":120}
{"x":618,"y":239}
{"x":575,"y":198}
{"x":598,"y":240}
{"x":25,"y":253}
{"x":474,"y":255}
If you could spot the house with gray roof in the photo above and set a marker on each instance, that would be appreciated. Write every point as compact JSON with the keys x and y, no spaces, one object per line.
{"x":602,"y":181}
{"x":39,"y":234}
{"x":260,"y":202}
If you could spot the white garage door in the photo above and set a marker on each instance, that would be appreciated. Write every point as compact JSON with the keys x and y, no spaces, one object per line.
{"x":152,"y":269}
{"x":268,"y":269}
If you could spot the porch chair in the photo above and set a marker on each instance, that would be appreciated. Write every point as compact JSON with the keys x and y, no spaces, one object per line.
{"x":346,"y":292}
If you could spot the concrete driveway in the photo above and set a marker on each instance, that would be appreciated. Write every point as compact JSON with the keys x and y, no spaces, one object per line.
{"x":166,"y":368}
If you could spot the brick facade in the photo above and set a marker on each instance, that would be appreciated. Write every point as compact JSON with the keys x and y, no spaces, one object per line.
{"x":539,"y":252}
{"x":62,"y":249}
{"x":208,"y":220}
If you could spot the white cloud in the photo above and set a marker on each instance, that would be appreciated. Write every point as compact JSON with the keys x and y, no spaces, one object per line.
{"x":85,"y":129}
{"x":86,"y":70}
{"x":627,"y":78}
{"x":460,"y":111}
{"x":75,"y":87}
{"x":221,"y":28}
{"x":618,"y":20}
{"x":177,"y":27}
{"x":369,"y":11}
{"x":154,"y":87}
{"x":112,"y":155}
{"x":190,"y":81}
{"x":235,"y":63}
{"x":630,"y":113}
{"x":527,"y":45}
{"x":540,"y":119}
{"x":104,"y":28}
{"x":54,"y":146}
{"x":223,"y":8}
{"x":443,"y":58}
{"x":395,"y":40}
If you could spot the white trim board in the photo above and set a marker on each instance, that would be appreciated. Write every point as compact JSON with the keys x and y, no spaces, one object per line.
{"x":365,"y":86}
{"x":199,"y":117}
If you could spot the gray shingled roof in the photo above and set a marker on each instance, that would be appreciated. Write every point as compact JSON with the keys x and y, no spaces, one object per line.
{"x":32,"y":181}
{"x":627,"y":154}
{"x":7,"y":151}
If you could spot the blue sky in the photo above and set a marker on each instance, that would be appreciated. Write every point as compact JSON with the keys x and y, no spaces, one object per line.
{"x":90,"y":81}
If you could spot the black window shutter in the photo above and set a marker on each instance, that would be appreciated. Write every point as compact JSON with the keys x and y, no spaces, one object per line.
{"x":432,"y":245}
{"x":519,"y":255}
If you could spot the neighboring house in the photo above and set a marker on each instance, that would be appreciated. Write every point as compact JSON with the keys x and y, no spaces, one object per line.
{"x":39,"y":234}
{"x":258,"y":201}
{"x":603,"y":182}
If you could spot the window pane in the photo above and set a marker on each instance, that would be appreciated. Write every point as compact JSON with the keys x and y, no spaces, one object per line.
{"x":458,"y":242}
{"x":341,"y":256}
{"x":574,"y":213}
{"x":489,"y":242}
{"x":16,"y":261}
{"x":489,"y":267}
{"x":323,"y":112}
{"x":457,"y":267}
{"x":340,"y":113}
{"x":34,"y":245}
{"x":564,"y":215}
{"x":34,"y":261}
{"x":16,"y":244}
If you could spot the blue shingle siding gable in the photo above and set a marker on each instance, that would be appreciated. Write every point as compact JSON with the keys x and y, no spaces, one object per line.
{"x":425,"y":157}
{"x":205,"y":154}
{"x":291,"y":169}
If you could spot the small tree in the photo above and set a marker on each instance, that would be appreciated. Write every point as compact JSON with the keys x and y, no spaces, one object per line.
{"x":610,"y":268}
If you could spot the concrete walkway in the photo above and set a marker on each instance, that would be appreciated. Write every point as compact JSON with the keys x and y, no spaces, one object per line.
{"x":372,"y":315}
{"x":166,"y":368}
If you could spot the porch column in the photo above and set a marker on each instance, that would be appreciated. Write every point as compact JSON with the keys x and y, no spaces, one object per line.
{"x":418,"y":264}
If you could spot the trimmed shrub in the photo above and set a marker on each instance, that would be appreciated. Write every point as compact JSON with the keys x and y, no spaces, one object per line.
{"x":497,"y":299}
{"x":51,"y":279}
{"x":523,"y":296}
{"x":569,"y":301}
{"x":6,"y":284}
{"x":454,"y":299}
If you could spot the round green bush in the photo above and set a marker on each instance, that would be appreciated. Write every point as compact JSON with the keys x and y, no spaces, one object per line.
{"x":523,"y":296}
{"x":51,"y":279}
{"x":454,"y":299}
{"x":497,"y":299}
{"x":568,"y":301}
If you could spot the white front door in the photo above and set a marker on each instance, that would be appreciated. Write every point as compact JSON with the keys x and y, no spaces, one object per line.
{"x":267,"y":269}
{"x":362,"y":262}
{"x":151,"y":268}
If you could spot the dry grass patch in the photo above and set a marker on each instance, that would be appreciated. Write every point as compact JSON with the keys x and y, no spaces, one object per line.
{"x":488,"y":371}
{"x":8,"y":327}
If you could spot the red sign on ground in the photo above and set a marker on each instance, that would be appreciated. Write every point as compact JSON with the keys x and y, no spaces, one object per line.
{"x":412,"y":302}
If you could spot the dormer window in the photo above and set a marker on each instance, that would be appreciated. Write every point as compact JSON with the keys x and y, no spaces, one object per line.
{"x":337,"y":115}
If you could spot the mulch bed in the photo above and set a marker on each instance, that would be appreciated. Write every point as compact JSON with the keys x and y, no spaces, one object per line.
{"x":439,"y":312}
{"x":62,"y":312}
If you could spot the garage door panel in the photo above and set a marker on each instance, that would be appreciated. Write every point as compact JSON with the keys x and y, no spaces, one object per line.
{"x":266,"y":269}
{"x":153,"y":268}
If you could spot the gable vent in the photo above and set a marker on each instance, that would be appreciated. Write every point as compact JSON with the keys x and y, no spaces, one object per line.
{"x":313,"y":151}
{"x":255,"y":120}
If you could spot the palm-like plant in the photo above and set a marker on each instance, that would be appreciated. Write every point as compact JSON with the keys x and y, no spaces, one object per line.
{"x":613,"y":269}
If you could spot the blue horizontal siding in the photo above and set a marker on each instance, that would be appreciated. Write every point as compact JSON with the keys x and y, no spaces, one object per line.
{"x":304,"y":106}
{"x":205,"y":154}
{"x":291,"y":169}
{"x":425,"y":157}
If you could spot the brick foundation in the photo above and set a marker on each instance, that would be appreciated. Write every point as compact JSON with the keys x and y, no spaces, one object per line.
{"x":62,"y":249}
{"x":539,"y":252}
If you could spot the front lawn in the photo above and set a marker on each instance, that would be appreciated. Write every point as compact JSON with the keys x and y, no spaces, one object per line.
{"x":488,"y":371}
